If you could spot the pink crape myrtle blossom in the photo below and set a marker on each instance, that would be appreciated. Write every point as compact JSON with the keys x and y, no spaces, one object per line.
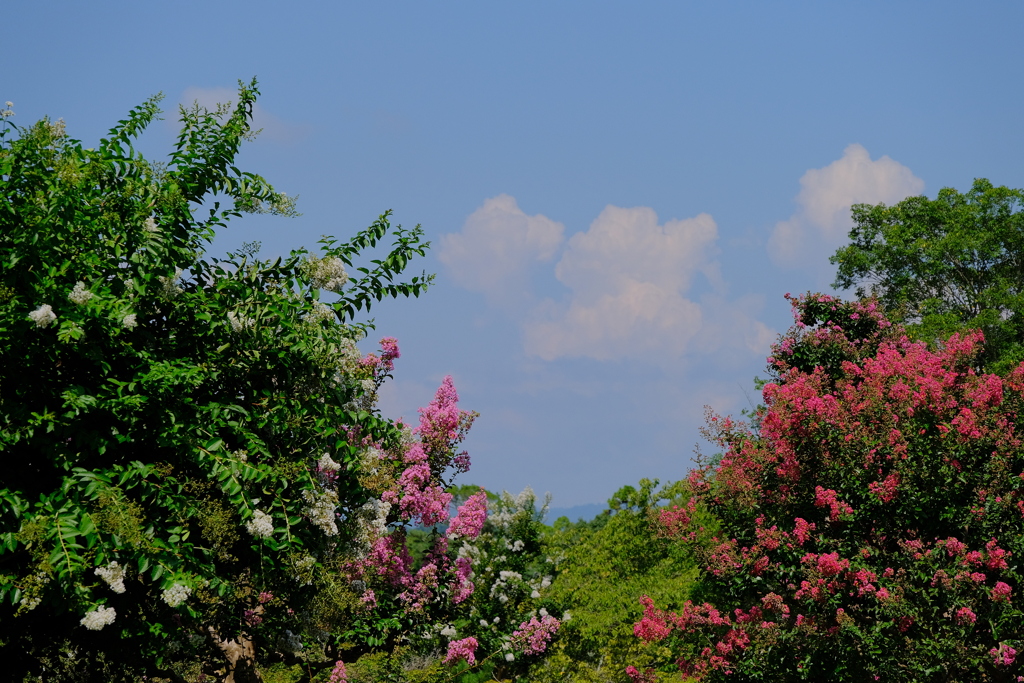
{"x":878,"y":492}
{"x":418,"y":498}
{"x":637,"y":676}
{"x":389,"y":352}
{"x":1004,"y":655}
{"x":462,"y":650}
{"x":470,"y":517}
{"x":463,"y":586}
{"x":1001,"y":592}
{"x":965,"y":615}
{"x":338,"y":673}
{"x":532,"y":637}
{"x":436,"y":588}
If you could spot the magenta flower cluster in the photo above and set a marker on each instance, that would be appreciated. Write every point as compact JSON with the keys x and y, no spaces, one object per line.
{"x":462,"y":650}
{"x":532,"y":637}
{"x":470,"y":517}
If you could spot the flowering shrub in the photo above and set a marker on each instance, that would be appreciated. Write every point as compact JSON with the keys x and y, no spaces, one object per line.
{"x":193,"y":460}
{"x":479,"y":595}
{"x":871,"y":529}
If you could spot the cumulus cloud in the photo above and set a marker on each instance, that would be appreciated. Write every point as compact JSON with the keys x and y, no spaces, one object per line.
{"x":273,"y":128}
{"x":822,"y":220}
{"x":628,"y":277}
{"x":628,"y":284}
{"x":498,"y":245}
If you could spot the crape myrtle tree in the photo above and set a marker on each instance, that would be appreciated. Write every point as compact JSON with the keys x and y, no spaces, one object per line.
{"x":944,"y":265}
{"x":873,"y":528}
{"x":508,"y":621}
{"x":195,"y":478}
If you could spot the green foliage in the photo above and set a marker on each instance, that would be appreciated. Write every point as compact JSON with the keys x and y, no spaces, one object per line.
{"x":945,"y":265}
{"x":603,"y":568}
{"x":157,"y":403}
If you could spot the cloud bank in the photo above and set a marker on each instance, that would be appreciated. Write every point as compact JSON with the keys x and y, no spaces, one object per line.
{"x":627,"y":283}
{"x":822,"y":220}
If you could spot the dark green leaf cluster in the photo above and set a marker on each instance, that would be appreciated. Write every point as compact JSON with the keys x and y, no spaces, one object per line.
{"x":945,"y":265}
{"x":168,"y":411}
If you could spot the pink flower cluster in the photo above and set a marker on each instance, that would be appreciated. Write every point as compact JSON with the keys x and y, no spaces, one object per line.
{"x":338,"y":674}
{"x":462,"y":650}
{"x":637,"y":676}
{"x":827,"y":497}
{"x":389,"y":352}
{"x":1004,"y":655}
{"x":532,"y":637}
{"x":417,"y":496}
{"x":470,"y":517}
{"x":965,"y":615}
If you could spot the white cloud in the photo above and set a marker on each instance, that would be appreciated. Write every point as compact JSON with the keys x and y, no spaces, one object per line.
{"x":627,"y":277}
{"x":496,"y":248}
{"x":822,"y":221}
{"x":627,"y":285}
{"x":274,"y":128}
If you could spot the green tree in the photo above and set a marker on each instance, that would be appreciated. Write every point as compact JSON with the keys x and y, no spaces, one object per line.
{"x":603,"y":568}
{"x":185,"y":439}
{"x":945,"y":265}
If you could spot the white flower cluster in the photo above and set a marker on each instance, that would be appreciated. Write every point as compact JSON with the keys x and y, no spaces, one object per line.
{"x":79,"y":294}
{"x":30,"y":603}
{"x":176,"y":594}
{"x":372,"y":522}
{"x":150,"y":225}
{"x":536,"y":586}
{"x":514,"y":547}
{"x":169,"y":285}
{"x":348,"y":352}
{"x":129,"y":322}
{"x":449,"y":631}
{"x":261,"y":525}
{"x":327,"y":273}
{"x":303,"y":567}
{"x":113,"y":574}
{"x":320,"y":509}
{"x":43,"y":316}
{"x":6,"y":113}
{"x":98,"y":618}
{"x":327,"y":463}
{"x":320,"y":313}
{"x":505,"y":577}
{"x":240,"y":322}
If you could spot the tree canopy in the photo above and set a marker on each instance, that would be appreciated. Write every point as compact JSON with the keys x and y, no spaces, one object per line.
{"x":190,"y":443}
{"x":945,"y":265}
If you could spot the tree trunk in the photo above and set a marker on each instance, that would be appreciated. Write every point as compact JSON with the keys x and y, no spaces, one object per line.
{"x":240,"y":654}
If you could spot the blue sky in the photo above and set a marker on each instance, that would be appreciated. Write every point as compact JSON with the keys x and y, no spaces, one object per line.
{"x":619,"y":194}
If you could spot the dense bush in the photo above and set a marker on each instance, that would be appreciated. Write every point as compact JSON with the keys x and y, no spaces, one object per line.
{"x":872,"y":530}
{"x":603,"y":566}
{"x":196,"y":480}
